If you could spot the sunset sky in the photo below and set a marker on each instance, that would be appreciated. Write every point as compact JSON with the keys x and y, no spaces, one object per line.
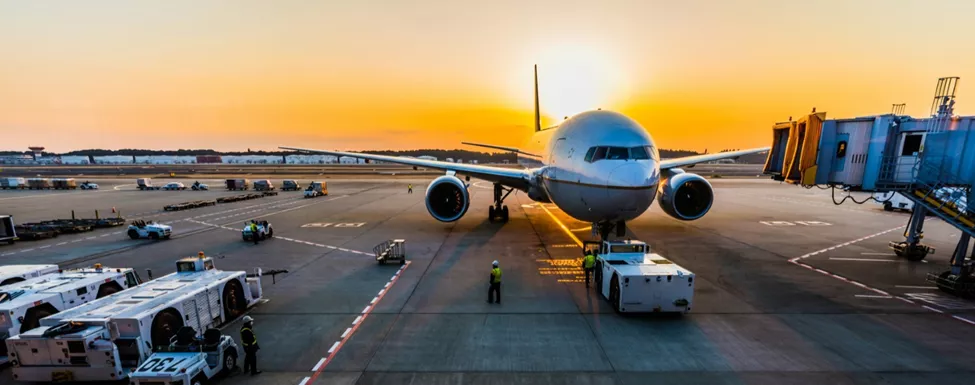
{"x":401,"y":74}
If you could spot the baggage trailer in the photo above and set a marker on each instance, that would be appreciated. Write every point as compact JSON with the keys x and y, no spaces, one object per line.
{"x":39,"y":184}
{"x":106,"y":339}
{"x":237,"y":184}
{"x":391,"y":250}
{"x":13,"y":183}
{"x":17,"y":273}
{"x":24,"y":304}
{"x":635,"y":280}
{"x":8,"y":232}
{"x":64,"y":183}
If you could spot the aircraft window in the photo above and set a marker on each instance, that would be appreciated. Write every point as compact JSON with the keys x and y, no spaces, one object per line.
{"x":617,"y":153}
{"x":590,"y":153}
{"x":653,"y":152}
{"x":600,"y":154}
{"x":639,"y":153}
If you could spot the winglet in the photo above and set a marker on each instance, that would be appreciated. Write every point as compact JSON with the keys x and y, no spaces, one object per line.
{"x":538,"y":119}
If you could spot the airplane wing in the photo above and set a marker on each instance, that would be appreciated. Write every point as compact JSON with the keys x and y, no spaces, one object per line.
{"x":692,"y":160}
{"x":511,"y":177}
{"x":502,"y":148}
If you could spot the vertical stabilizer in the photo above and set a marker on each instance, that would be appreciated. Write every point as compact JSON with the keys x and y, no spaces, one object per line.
{"x":538,"y":118}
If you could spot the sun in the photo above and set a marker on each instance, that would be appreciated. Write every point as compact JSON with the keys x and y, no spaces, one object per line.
{"x":575,"y":78}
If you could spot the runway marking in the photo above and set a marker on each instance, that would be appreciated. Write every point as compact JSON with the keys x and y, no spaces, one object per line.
{"x":804,"y":256}
{"x":44,"y":247}
{"x":942,"y":301}
{"x":61,"y":243}
{"x":562,"y":225}
{"x":318,"y":365}
{"x":356,"y":320}
{"x":351,"y":331}
{"x":963,"y":319}
{"x":374,"y":299}
{"x":367,"y":309}
{"x":863,"y":259}
{"x":304,"y":381}
{"x":873,"y":296}
{"x":285,"y":239}
{"x":26,"y":250}
{"x":917,"y":287}
{"x":882,"y":254}
{"x":932,"y":309}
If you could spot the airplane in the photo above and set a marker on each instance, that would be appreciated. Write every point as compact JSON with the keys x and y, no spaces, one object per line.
{"x":598,"y":166}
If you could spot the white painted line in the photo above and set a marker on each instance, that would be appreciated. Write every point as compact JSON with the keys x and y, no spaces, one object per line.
{"x":374,"y":299}
{"x":90,"y":238}
{"x":905,"y":300}
{"x":304,"y":381}
{"x":62,"y":243}
{"x":44,"y":247}
{"x":873,"y":296}
{"x":387,"y":284}
{"x":917,"y":287}
{"x":345,"y":333}
{"x":366,"y":310}
{"x":6,"y":254}
{"x":334,"y":346}
{"x":882,"y":254}
{"x":356,"y":320}
{"x":963,"y":319}
{"x":318,"y":365}
{"x":30,"y":249}
{"x":862,"y":259}
{"x":932,"y":309}
{"x":381,"y":292}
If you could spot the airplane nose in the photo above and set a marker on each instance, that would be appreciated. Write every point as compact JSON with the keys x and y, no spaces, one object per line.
{"x":629,"y":175}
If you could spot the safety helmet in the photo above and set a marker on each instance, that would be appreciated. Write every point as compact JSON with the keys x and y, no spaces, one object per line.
{"x":247,"y":319}
{"x":495,"y":263}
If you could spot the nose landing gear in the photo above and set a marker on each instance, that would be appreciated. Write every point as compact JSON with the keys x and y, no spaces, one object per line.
{"x":605,"y":229}
{"x":499,"y":211}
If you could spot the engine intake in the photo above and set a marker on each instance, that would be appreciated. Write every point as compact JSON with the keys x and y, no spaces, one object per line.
{"x":685,"y":196}
{"x":447,"y":198}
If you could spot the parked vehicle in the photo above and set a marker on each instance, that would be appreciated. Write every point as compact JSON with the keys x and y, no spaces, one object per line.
{"x":13,"y":183}
{"x":290,"y":185}
{"x":174,"y":186}
{"x":33,"y":232}
{"x":8,"y":232}
{"x":263,"y":185}
{"x":238,"y":184}
{"x":149,"y":229}
{"x":88,"y":186}
{"x":39,"y":183}
{"x":64,"y":183}
{"x":264,"y":231}
{"x":316,"y":189}
{"x":197,"y":186}
{"x":145,"y":184}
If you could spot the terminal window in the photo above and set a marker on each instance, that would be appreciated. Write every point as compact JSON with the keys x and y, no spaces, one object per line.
{"x":912,"y":144}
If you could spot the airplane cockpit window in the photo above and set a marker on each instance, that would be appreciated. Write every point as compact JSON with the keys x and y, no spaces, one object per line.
{"x":617,"y":153}
{"x":599,"y":154}
{"x":639,"y":153}
{"x":590,"y":153}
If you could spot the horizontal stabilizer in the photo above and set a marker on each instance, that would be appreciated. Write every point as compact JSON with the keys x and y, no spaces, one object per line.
{"x":502,"y":148}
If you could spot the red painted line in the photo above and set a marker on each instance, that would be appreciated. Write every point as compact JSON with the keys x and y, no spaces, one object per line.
{"x":365,"y":314}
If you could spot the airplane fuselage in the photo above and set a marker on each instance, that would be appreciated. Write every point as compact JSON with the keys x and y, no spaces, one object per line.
{"x":596,"y":166}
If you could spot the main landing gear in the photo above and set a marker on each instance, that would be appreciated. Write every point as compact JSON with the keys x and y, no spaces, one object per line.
{"x":499,"y":211}
{"x":605,"y":229}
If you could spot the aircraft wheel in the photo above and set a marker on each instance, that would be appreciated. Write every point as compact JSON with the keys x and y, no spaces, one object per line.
{"x":229,"y":360}
{"x":614,"y":293}
{"x":888,"y":206}
{"x":491,"y":214}
{"x":154,"y":236}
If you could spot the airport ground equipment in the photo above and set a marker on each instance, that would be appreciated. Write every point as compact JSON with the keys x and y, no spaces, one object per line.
{"x":263,"y":185}
{"x":8,"y":232}
{"x":893,"y":201}
{"x":633,"y":279}
{"x":141,"y":229}
{"x":13,"y":183}
{"x":244,"y":197}
{"x":24,"y":304}
{"x":64,"y":226}
{"x":188,"y":359}
{"x":316,"y":189}
{"x":18,"y":273}
{"x":391,"y":250}
{"x":930,"y":161}
{"x":104,"y":340}
{"x":189,"y":205}
{"x":172,"y":186}
{"x":146,"y":184}
{"x":88,"y":186}
{"x":238,"y":184}
{"x":197,"y":186}
{"x":39,"y":184}
{"x":290,"y":185}
{"x":64,"y":183}
{"x":264,"y":231}
{"x":33,"y":232}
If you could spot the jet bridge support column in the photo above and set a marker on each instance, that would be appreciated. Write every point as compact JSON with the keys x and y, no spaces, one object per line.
{"x":959,"y":280}
{"x":912,"y":248}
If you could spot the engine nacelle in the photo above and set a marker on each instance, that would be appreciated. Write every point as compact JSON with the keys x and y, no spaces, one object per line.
{"x":447,"y":198}
{"x":685,"y":196}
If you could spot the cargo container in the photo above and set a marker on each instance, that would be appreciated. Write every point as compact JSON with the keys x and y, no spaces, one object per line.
{"x":38,"y":184}
{"x":13,"y":183}
{"x":64,"y":183}
{"x":7,"y":231}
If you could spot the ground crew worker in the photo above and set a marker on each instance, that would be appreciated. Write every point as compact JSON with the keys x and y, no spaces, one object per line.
{"x":588,"y":263}
{"x":409,"y":188}
{"x":254,"y":234}
{"x":249,"y":339}
{"x":495,"y":284}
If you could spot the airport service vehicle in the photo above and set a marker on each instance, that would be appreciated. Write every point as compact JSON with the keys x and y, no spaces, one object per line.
{"x":635,"y":280}
{"x":894,"y":201}
{"x":264,"y":231}
{"x":599,"y":167}
{"x":35,"y":231}
{"x":263,"y":185}
{"x":174,"y":186}
{"x":391,"y":250}
{"x":105,"y":339}
{"x":64,"y":183}
{"x":197,"y":186}
{"x":18,"y":273}
{"x":145,"y":184}
{"x":24,"y":304}
{"x":8,"y":232}
{"x":316,"y":189}
{"x":238,"y":184}
{"x":38,"y":184}
{"x":188,"y":359}
{"x":13,"y":183}
{"x":148,"y":229}
{"x":290,"y":185}
{"x":88,"y":186}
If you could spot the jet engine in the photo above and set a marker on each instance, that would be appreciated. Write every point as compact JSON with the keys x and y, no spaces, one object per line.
{"x":685,"y":196}
{"x":447,"y":198}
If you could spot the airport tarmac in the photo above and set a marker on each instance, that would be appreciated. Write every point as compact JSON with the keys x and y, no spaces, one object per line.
{"x":791,"y":289}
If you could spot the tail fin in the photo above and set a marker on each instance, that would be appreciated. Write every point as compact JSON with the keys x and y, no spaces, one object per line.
{"x":538,"y":119}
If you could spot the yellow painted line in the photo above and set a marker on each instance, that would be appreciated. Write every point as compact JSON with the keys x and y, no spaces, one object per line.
{"x":562,"y":225}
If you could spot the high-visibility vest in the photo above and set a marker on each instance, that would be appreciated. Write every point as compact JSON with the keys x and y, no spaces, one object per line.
{"x":252,"y":334}
{"x":589,"y":261}
{"x":496,"y":274}
{"x":253,"y":227}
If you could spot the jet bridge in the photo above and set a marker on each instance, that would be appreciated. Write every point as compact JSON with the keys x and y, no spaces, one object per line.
{"x":930,"y":161}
